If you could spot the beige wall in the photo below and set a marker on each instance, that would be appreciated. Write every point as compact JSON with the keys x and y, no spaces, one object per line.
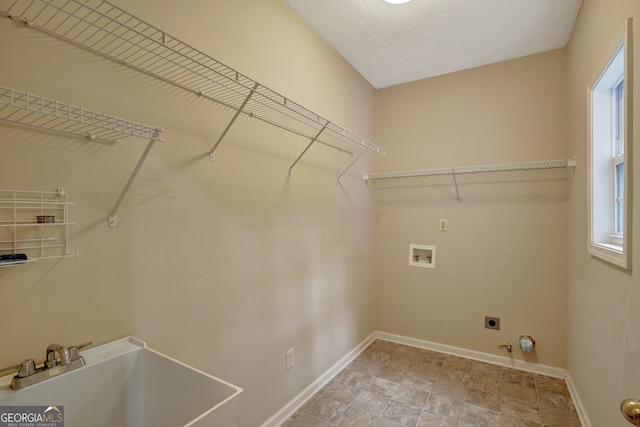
{"x":227,"y":265}
{"x":224,"y":265}
{"x":504,"y":254}
{"x":604,"y":303}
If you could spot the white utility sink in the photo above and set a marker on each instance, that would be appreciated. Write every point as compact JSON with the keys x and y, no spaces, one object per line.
{"x":126,"y":384}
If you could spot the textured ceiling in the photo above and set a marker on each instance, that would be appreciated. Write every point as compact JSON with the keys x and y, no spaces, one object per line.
{"x":392,"y":44}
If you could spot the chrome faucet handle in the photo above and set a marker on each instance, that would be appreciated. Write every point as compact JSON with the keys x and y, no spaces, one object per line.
{"x":74,"y":351}
{"x":26,"y":368}
{"x":63,"y":354}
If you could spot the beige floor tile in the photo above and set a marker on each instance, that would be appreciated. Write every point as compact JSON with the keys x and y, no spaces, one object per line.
{"x":432,"y":357}
{"x":526,"y":411}
{"x":552,"y":385}
{"x":418,"y":382}
{"x":554,"y":418}
{"x":402,"y":413}
{"x":364,"y":366}
{"x":368,"y":401}
{"x":557,"y":401}
{"x":458,"y":363}
{"x":477,"y":416}
{"x":401,"y":361}
{"x":391,"y":374}
{"x":353,"y":378}
{"x":434,"y":420}
{"x":386,"y":422}
{"x":522,"y":378}
{"x":384,"y":346}
{"x":444,"y":405}
{"x":307,"y":421}
{"x":340,"y":392}
{"x":486,"y":383}
{"x":381,"y":386}
{"x":454,"y":376}
{"x":507,"y":420}
{"x":326,"y":409}
{"x":519,"y":392}
{"x":394,"y":385}
{"x":425,"y":369}
{"x":411,"y":395}
{"x":486,"y":369}
{"x":353,"y":417}
{"x":372,"y":355}
{"x":484,"y":399}
{"x":452,"y":390}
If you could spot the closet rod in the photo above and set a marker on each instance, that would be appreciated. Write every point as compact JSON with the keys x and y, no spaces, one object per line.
{"x":504,"y":167}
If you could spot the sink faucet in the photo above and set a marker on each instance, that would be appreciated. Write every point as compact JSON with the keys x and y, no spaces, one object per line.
{"x":63,"y":354}
{"x":60,"y":359}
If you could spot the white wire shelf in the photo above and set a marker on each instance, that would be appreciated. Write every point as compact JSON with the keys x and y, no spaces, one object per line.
{"x":37,"y":112}
{"x":111,"y":32}
{"x":21,"y":232}
{"x":456,"y":172}
{"x":27,"y":109}
{"x":505,"y":167}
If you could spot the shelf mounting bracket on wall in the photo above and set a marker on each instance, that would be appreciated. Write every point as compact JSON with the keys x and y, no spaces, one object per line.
{"x":314,"y":139}
{"x":350,"y":164}
{"x":34,"y":111}
{"x":455,"y":183}
{"x":115,"y":34}
{"x":113,"y":219}
{"x":470,"y":170}
{"x":212,"y":154}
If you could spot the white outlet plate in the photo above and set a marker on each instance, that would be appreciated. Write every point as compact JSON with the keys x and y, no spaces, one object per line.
{"x":443,"y":224}
{"x":290,"y":359}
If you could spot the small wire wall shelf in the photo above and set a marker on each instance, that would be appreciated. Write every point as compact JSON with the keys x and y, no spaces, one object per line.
{"x":27,"y":109}
{"x":113,"y":33}
{"x":34,"y":111}
{"x":34,"y":225}
{"x":506,"y":172}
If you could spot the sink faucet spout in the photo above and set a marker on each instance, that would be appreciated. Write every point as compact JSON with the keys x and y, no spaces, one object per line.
{"x":62,"y":357}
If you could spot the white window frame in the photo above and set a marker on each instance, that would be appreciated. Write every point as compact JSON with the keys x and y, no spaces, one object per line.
{"x":609,"y":239}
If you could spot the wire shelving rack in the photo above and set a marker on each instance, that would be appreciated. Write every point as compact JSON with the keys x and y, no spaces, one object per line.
{"x":455,"y":172}
{"x":113,"y":33}
{"x":34,"y":111}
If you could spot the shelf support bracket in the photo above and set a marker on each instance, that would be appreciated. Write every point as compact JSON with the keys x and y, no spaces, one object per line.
{"x":350,"y":164}
{"x":455,"y":183}
{"x":314,"y":139}
{"x":212,"y":154}
{"x":113,"y":219}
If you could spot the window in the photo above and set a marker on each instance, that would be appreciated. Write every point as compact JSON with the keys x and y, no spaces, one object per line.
{"x":609,"y":163}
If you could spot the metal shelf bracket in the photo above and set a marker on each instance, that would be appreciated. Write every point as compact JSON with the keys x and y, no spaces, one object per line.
{"x":314,"y":139}
{"x":113,"y":219}
{"x":212,"y":154}
{"x":115,"y":34}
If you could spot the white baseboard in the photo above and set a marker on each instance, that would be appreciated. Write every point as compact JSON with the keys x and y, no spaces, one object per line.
{"x":577,"y":402}
{"x":475,"y":355}
{"x":290,"y":408}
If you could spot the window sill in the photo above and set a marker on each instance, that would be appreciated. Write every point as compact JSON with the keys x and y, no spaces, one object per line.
{"x":611,"y":253}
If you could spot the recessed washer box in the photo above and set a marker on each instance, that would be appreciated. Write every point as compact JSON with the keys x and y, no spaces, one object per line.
{"x":422,"y":256}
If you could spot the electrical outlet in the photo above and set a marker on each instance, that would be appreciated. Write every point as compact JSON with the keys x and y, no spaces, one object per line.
{"x":492,"y":323}
{"x":290,"y":359}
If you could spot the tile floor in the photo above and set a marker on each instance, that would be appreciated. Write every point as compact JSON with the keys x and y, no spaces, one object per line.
{"x":394,"y":385}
